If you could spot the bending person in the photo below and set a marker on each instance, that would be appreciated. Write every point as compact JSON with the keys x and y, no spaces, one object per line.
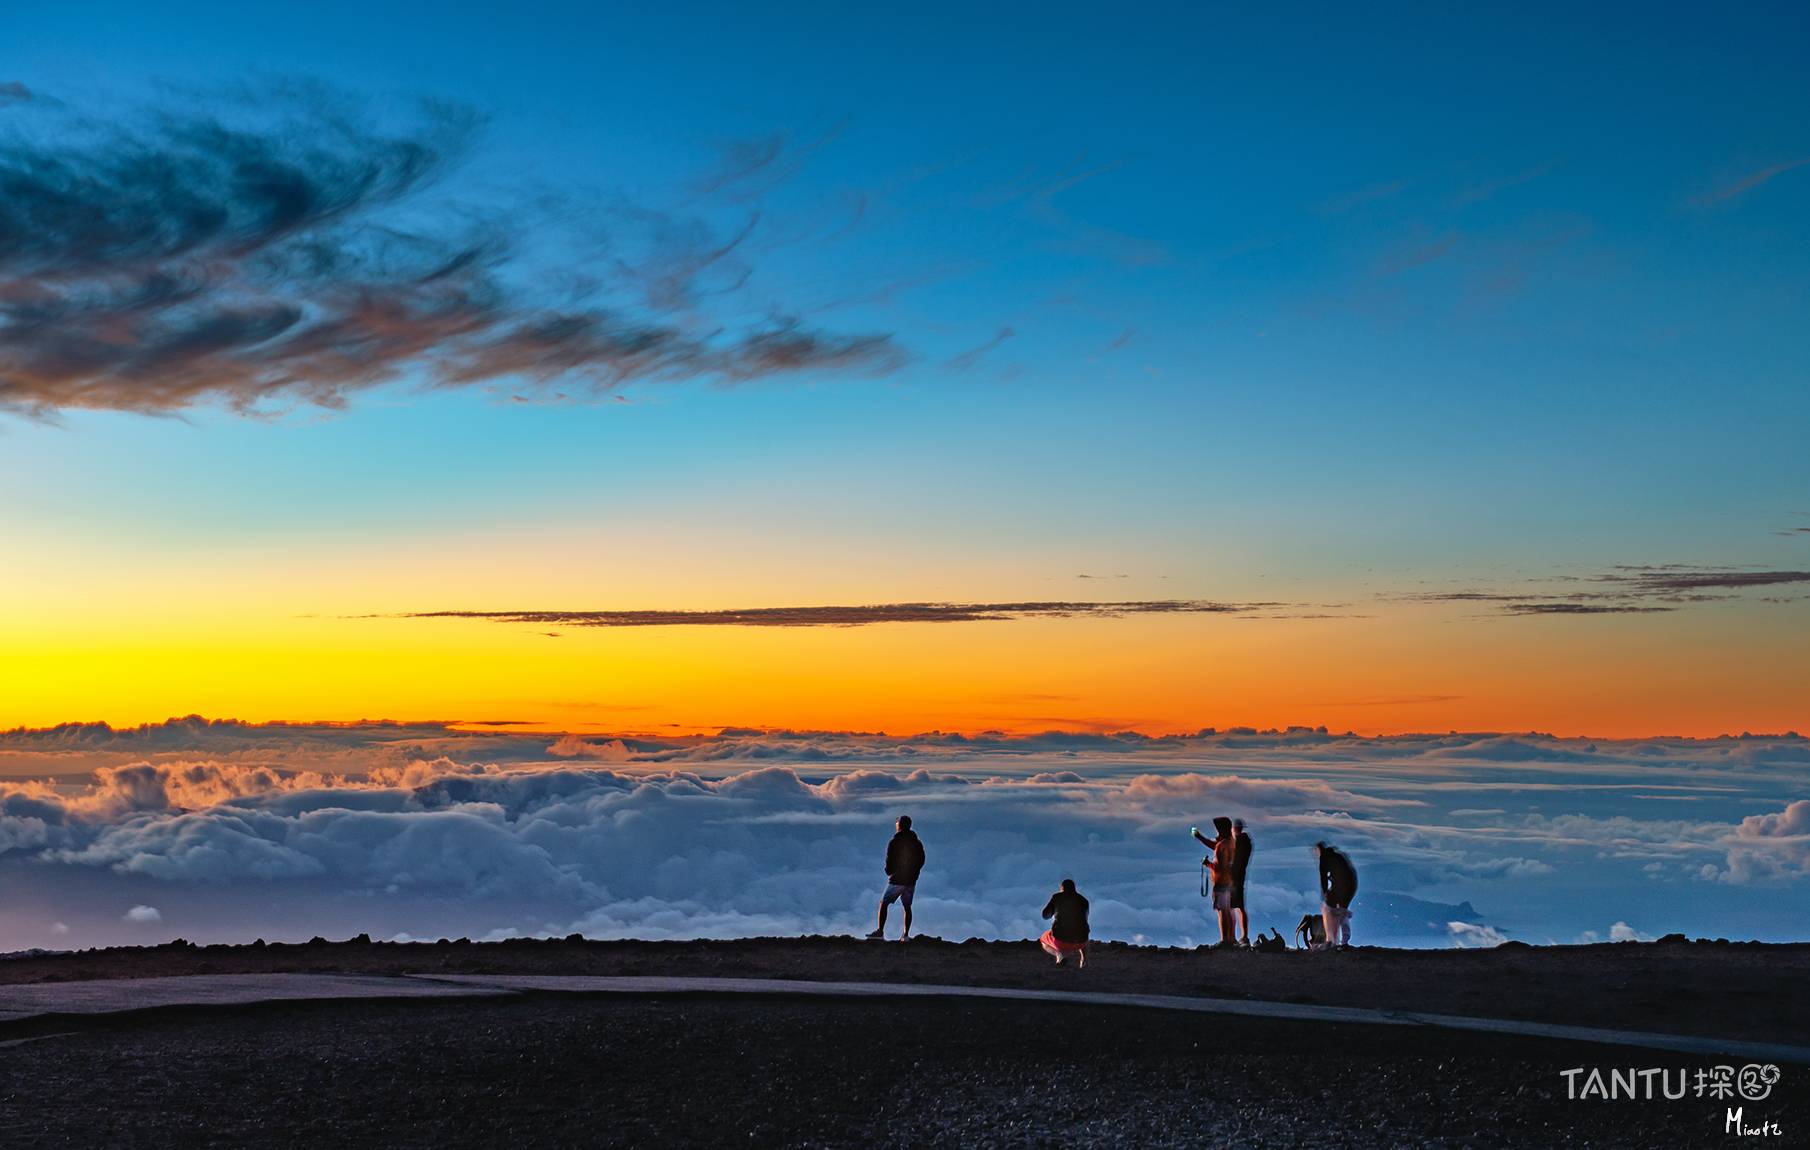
{"x":1338,"y":886}
{"x":1067,"y":935}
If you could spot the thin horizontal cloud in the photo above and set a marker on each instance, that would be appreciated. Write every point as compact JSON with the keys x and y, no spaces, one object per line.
{"x":1620,"y":591}
{"x":1581,"y":609}
{"x":1624,"y":590}
{"x":302,"y":251}
{"x":1390,"y":701}
{"x":1677,"y":579}
{"x":1507,"y":600}
{"x":847,"y":616}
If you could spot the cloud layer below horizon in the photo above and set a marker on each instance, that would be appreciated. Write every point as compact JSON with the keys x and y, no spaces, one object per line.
{"x":231,"y":831}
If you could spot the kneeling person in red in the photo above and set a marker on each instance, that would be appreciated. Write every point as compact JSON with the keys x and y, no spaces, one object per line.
{"x":1067,"y":935}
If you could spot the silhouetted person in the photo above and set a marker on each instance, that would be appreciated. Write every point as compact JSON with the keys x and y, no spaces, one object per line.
{"x":1219,"y":866}
{"x":1067,"y":935}
{"x":1338,"y":886}
{"x":1241,"y":862}
{"x":904,"y":860}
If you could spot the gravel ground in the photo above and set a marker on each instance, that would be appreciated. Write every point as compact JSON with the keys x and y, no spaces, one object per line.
{"x":1747,"y":991}
{"x":610,"y":1071}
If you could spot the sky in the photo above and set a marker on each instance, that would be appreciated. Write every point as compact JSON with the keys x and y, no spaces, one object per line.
{"x":593,"y":465}
{"x":1432,"y":371}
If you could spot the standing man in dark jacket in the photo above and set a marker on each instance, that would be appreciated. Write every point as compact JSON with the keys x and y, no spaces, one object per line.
{"x":1068,"y":932}
{"x":1241,"y":862}
{"x":904,"y":859}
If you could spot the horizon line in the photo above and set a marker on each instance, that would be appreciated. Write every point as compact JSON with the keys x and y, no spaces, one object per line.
{"x":501,"y":727}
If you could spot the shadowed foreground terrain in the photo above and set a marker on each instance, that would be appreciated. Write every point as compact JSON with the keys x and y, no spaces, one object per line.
{"x":670,"y":1068}
{"x":582,"y":1071}
{"x":1739,"y":991}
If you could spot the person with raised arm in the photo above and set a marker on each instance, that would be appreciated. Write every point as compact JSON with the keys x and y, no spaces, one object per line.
{"x":1220,"y":867}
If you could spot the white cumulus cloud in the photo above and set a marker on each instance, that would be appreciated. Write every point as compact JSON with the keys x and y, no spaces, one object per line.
{"x":1472,"y":935}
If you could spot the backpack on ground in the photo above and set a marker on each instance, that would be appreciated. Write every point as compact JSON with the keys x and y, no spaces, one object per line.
{"x":1311,"y":934}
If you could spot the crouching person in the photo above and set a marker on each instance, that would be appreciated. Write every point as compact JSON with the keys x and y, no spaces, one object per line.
{"x":1067,"y":936}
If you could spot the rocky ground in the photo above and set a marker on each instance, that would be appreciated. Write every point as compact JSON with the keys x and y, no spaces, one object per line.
{"x":1746,"y":991}
{"x":598,"y":1071}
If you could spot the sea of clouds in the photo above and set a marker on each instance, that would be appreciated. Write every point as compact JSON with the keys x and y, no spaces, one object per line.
{"x":221,"y":831}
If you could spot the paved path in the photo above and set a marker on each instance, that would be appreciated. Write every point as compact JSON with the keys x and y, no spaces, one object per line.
{"x":112,"y":995}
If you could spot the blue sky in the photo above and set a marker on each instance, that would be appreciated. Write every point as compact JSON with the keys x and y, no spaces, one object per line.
{"x":1486,"y":236}
{"x":1439,"y":369}
{"x":1350,"y":301}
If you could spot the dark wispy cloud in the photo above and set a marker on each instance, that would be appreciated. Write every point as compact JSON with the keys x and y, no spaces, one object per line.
{"x":1679,"y":579}
{"x":1040,"y":198}
{"x":1374,"y":193}
{"x":1489,"y":189}
{"x":1391,"y":701}
{"x":856,"y":616}
{"x":1581,"y":609}
{"x":1514,"y":602}
{"x":1747,"y":183}
{"x":298,"y":249}
{"x":1417,"y":254}
{"x":748,"y":167}
{"x":1622,"y":590}
{"x":967,"y":359}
